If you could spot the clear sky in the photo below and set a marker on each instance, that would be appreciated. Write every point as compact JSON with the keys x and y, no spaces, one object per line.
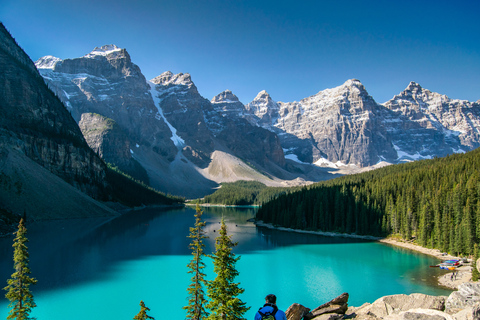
{"x":291,"y":49}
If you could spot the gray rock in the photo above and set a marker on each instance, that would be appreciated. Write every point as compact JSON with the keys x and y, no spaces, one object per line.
{"x":471,"y":313}
{"x":468,"y":295}
{"x":329,"y":316}
{"x":395,"y":304}
{"x":420,"y":314}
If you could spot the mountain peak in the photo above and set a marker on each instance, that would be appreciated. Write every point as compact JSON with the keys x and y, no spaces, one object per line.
{"x":225,"y":97}
{"x":354,"y":83}
{"x":413,"y":86}
{"x":47,"y":62}
{"x":263,"y":95}
{"x":103,"y":51}
{"x":168,"y":77}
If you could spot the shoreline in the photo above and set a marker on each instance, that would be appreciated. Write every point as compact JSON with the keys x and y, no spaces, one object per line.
{"x":464,"y":273}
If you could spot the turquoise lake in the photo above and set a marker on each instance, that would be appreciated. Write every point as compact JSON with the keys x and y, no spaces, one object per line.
{"x":94,"y":269}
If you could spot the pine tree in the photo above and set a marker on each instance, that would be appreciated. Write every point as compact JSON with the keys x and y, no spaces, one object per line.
{"x":196,"y":294}
{"x":223,"y":291}
{"x":18,"y":289}
{"x":475,"y":273}
{"x":142,"y":315}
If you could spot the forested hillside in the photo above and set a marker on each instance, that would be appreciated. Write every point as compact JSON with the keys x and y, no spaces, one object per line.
{"x":437,"y":202}
{"x":241,"y":193}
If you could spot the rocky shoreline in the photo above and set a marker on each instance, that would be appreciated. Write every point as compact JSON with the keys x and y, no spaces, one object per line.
{"x":463,"y":304}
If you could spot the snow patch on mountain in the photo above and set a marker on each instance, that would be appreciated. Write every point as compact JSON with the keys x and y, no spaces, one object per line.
{"x":103,"y":51}
{"x":47,"y":62}
{"x":177,"y":140}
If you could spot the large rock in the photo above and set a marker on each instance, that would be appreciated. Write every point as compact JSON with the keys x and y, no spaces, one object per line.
{"x":329,"y":316}
{"x":420,"y":314}
{"x":472,"y":313}
{"x":296,"y":312}
{"x":468,"y":295}
{"x":395,"y":304}
{"x":339,"y":305}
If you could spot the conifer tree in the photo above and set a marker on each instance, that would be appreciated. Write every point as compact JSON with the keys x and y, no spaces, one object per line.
{"x":18,"y":289}
{"x":223,"y":291}
{"x":475,"y":273}
{"x":142,"y":315}
{"x":196,"y":295}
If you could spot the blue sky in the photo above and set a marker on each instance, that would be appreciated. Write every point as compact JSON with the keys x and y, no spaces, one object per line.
{"x":292,"y":49}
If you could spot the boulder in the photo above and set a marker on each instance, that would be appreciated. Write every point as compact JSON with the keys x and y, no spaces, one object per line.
{"x":339,"y":305}
{"x":395,"y":304}
{"x":420,"y":314}
{"x":468,"y":295}
{"x":296,"y":312}
{"x":329,"y":316}
{"x":472,"y":313}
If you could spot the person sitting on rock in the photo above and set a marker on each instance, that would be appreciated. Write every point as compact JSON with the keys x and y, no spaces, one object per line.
{"x":270,"y":308}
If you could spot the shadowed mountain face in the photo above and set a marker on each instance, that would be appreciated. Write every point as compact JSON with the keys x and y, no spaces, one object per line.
{"x":44,"y":159}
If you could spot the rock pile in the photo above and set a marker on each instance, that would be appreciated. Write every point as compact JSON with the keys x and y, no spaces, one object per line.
{"x":463,"y":304}
{"x":332,"y":310}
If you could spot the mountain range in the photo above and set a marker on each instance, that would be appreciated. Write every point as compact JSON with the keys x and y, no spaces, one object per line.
{"x":163,"y":132}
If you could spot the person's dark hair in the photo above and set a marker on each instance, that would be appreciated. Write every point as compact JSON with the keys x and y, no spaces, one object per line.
{"x":271,"y":298}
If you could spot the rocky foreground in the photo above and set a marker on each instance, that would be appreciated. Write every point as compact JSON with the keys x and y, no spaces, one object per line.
{"x":463,"y":304}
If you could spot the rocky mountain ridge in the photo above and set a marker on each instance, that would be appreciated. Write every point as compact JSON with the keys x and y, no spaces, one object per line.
{"x":43,"y":154}
{"x":346,"y":124}
{"x":175,"y":134}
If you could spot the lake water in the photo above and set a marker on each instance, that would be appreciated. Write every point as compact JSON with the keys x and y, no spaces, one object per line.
{"x":104,"y":272}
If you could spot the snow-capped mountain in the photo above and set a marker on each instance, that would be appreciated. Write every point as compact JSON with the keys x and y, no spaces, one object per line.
{"x":160,"y":131}
{"x":105,"y":82}
{"x":166,"y":134}
{"x":346,"y":125}
{"x":425,"y":124}
{"x":339,"y":124}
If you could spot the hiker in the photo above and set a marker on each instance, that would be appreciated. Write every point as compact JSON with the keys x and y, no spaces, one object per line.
{"x":270,"y":310}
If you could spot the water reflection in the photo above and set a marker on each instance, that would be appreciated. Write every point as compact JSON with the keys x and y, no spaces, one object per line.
{"x":69,"y":252}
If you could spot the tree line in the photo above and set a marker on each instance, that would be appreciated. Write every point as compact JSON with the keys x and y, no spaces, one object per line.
{"x":221,"y":301}
{"x":241,"y":193}
{"x":434,"y":202}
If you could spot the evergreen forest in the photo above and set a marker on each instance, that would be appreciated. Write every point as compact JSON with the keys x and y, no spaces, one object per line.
{"x":435,"y":203}
{"x":244,"y":193}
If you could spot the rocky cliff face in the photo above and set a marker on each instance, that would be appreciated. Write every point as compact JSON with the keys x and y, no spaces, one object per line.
{"x":110,"y":142}
{"x":170,"y":129}
{"x":106,"y":82}
{"x":346,"y":124}
{"x":250,"y":142}
{"x":36,"y":122}
{"x":424,"y":124}
{"x":339,"y":124}
{"x":42,"y":151}
{"x":165,"y":124}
